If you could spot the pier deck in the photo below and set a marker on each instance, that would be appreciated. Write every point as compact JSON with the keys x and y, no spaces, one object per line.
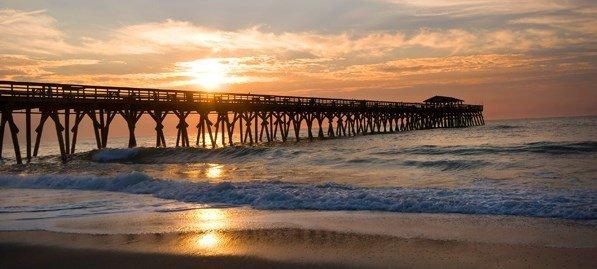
{"x":255,"y":118}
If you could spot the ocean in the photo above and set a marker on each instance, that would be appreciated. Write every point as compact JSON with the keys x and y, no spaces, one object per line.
{"x":545,"y":168}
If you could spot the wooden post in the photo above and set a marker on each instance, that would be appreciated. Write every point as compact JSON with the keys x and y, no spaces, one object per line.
{"x":216,"y":128}
{"x":256,"y":127}
{"x":96,"y":127}
{"x":201,"y":128}
{"x":78,"y":117}
{"x":39,"y":130}
{"x":286,"y":125}
{"x":320,"y":124}
{"x":297,"y":119}
{"x":106,"y":119}
{"x":27,"y":133}
{"x":59,"y":129}
{"x":249,"y":132}
{"x":7,"y":118}
{"x":182,"y":134}
{"x":131,"y":117}
{"x":309,"y":120}
{"x":2,"y":124}
{"x":331,"y":125}
{"x":208,"y":123}
{"x":223,"y":120}
{"x":240,"y":127}
{"x":230,"y":126}
{"x":67,"y":131}
{"x":271,"y":126}
{"x":158,"y":116}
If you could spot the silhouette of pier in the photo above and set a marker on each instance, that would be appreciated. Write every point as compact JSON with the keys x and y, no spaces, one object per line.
{"x":254,"y":118}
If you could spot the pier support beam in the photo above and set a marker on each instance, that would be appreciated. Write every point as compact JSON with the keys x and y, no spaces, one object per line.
{"x":52,"y":114}
{"x":105,"y":118}
{"x":131,"y":117}
{"x":66,"y":131}
{"x":158,"y":116}
{"x":5,"y":119}
{"x":59,"y":129}
{"x":39,"y":130}
{"x":75,"y":130}
{"x":27,"y":133}
{"x":182,"y":134}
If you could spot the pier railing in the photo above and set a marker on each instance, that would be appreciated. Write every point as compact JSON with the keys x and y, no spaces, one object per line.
{"x":255,"y":118}
{"x":91,"y":92}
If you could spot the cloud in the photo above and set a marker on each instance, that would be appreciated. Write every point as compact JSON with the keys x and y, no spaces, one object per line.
{"x":452,"y":66}
{"x":16,"y":66}
{"x":36,"y":32}
{"x":574,"y":23}
{"x":170,"y":35}
{"x":162,"y":37}
{"x":468,"y":8}
{"x":31,"y":32}
{"x":535,"y":42}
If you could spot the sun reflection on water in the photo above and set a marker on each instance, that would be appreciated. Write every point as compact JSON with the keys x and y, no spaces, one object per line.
{"x":214,"y":170}
{"x":200,"y":171}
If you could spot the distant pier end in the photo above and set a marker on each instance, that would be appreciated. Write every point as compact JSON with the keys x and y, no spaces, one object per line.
{"x":253,"y":118}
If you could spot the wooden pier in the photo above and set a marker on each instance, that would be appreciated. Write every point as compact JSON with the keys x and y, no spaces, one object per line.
{"x":253,"y":118}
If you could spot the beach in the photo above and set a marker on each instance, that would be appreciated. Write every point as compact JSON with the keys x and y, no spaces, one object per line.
{"x":263,"y":134}
{"x":246,"y":238}
{"x":505,"y":195}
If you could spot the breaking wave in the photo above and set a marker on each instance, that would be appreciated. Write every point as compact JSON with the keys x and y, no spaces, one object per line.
{"x":505,"y":127}
{"x":447,"y":165}
{"x":174,"y":155}
{"x":551,"y":148}
{"x":569,"y":204}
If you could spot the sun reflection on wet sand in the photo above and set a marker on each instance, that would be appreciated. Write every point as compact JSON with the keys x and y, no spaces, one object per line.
{"x":211,"y":240}
{"x":208,"y":219}
{"x":208,"y":240}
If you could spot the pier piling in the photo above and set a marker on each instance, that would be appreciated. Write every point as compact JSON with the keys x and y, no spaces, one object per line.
{"x":255,"y":118}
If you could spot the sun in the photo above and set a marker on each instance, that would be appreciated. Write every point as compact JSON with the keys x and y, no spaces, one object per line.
{"x":210,"y":74}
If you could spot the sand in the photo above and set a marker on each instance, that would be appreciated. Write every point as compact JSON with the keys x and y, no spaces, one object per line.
{"x":280,"y":248}
{"x":282,"y":239}
{"x":19,"y":256}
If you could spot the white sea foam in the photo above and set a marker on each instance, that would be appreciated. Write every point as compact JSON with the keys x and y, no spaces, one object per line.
{"x":570,"y":204}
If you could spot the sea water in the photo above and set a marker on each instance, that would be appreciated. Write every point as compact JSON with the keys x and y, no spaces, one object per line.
{"x":533,"y":168}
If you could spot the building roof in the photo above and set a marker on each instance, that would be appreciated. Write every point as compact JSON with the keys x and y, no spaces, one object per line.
{"x":443,"y":99}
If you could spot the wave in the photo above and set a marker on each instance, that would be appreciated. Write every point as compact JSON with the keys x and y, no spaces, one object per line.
{"x":505,"y":127}
{"x":247,"y":154}
{"x":174,"y":155}
{"x":543,"y":147}
{"x":569,"y":204}
{"x":448,"y":165}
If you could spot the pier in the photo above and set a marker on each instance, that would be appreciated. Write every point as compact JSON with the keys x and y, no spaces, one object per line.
{"x":254,"y":118}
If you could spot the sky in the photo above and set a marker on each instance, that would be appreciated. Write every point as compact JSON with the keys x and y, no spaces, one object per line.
{"x":519,"y":58}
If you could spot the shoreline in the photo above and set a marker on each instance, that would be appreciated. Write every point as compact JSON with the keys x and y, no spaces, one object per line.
{"x":30,"y":256}
{"x":245,"y":237}
{"x":275,"y":248}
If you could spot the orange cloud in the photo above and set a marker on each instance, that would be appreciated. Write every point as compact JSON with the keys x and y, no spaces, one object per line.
{"x":24,"y":66}
{"x":465,"y":8}
{"x":31,"y":32}
{"x":180,"y":54}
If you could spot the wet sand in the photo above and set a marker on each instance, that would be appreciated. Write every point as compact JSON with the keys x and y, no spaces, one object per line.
{"x":274,"y":248}
{"x":20,"y":256}
{"x":249,"y":238}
